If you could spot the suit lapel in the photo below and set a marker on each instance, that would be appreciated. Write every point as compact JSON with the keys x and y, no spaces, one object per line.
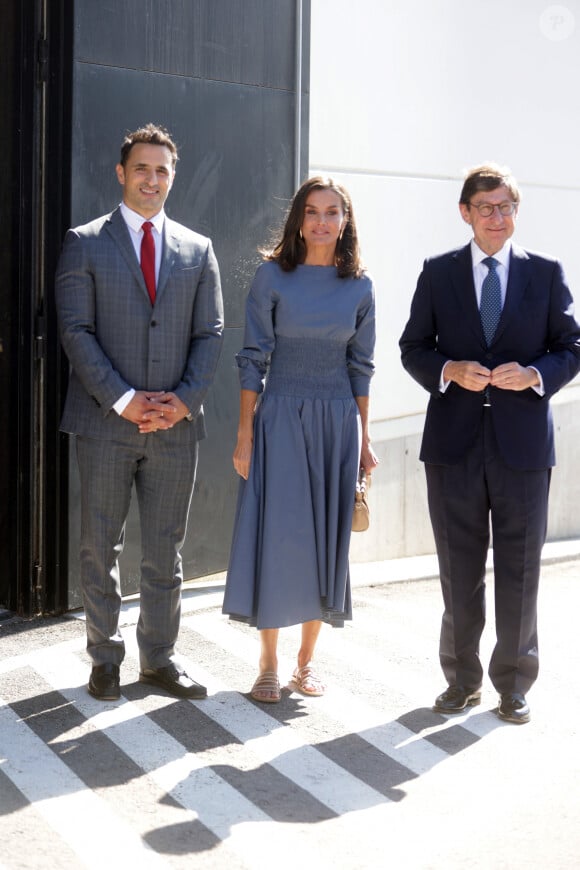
{"x":518,"y":278}
{"x":462,"y":278}
{"x":464,"y":288}
{"x":117,"y":228}
{"x":170,"y":250}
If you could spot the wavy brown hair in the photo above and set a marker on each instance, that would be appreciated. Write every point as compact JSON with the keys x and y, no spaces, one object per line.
{"x":290,"y":250}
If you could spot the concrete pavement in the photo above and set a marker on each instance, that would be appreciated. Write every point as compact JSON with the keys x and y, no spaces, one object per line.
{"x":368,"y":776}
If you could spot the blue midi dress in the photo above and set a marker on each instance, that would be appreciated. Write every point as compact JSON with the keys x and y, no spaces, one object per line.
{"x":308,"y":351}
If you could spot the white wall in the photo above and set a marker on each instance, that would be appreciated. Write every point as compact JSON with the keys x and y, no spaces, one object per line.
{"x":405,"y":95}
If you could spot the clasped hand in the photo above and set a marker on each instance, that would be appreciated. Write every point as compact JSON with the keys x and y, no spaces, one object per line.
{"x":473,"y":376}
{"x":151,"y":411}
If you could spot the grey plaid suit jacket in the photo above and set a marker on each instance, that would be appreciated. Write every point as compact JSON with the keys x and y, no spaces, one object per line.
{"x":115,"y":339}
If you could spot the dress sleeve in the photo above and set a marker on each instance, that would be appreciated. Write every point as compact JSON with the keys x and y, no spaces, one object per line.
{"x":259,"y":339}
{"x":361,"y":347}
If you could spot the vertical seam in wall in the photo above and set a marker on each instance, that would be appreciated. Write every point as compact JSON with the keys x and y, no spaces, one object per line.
{"x":298,"y":104}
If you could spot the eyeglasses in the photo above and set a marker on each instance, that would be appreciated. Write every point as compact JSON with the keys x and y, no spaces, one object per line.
{"x":486,"y":209}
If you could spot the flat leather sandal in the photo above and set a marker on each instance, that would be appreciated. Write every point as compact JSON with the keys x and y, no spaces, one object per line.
{"x":307,"y":681}
{"x":266,"y":689}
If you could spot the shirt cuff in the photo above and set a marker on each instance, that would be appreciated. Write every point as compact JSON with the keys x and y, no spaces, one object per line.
{"x":122,"y":403}
{"x":443,"y":384}
{"x":539,"y":388}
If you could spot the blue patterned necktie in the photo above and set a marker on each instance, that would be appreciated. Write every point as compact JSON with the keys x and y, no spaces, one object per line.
{"x":490,"y":305}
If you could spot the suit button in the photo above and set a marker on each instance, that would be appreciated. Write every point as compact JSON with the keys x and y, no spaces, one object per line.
{"x":153,"y":323}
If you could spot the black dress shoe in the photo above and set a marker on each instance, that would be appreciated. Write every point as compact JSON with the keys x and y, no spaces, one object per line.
{"x":513,"y":707}
{"x":457,"y":698}
{"x":174,"y":680}
{"x":104,"y":682}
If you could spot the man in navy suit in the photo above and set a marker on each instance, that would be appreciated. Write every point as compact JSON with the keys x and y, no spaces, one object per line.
{"x":140,"y":313}
{"x":492,"y":336}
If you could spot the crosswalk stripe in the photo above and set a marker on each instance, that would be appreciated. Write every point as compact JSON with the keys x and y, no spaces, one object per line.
{"x":282,"y":748}
{"x":62,"y":799}
{"x":280,"y":768}
{"x":352,"y":714}
{"x":296,"y":762}
{"x":187,"y":777}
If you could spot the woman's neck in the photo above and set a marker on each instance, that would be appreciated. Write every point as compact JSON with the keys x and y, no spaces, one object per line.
{"x":319,"y":258}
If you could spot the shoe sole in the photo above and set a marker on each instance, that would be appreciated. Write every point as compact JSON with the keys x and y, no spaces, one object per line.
{"x":101,"y":697}
{"x":522,"y":720}
{"x":473,"y":701}
{"x":151,"y":681}
{"x":265,"y":700}
{"x":302,"y":691}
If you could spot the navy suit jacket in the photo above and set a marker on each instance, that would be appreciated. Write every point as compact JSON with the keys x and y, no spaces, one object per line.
{"x":115,"y":339}
{"x":537,"y":328}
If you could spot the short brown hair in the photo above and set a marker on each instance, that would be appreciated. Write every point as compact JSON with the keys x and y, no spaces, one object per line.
{"x":488,"y":176}
{"x":150,"y":134}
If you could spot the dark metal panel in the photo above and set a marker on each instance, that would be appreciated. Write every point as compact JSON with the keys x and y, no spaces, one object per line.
{"x":9,"y":255}
{"x":234,"y":176}
{"x":221,"y":74}
{"x":248,"y":41}
{"x":33,"y":43}
{"x":233,"y":183}
{"x":214,"y":499}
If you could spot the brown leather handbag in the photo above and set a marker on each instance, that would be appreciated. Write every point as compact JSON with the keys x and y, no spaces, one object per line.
{"x":361,"y":513}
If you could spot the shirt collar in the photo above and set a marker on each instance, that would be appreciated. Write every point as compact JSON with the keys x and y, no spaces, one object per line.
{"x":502,"y":256}
{"x":135,"y":221}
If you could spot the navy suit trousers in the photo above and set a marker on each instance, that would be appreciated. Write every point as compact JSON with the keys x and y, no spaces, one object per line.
{"x":465,"y":501}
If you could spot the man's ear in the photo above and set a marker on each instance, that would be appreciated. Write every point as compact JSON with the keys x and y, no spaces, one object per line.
{"x":120,"y":170}
{"x":465,"y":213}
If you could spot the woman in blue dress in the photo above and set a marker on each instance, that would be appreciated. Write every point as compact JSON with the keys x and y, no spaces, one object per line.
{"x":305,"y":372}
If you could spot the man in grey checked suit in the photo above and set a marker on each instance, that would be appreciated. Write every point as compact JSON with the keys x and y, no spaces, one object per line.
{"x":141,"y":365}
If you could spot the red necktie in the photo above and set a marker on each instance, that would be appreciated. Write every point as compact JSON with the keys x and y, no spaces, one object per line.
{"x":148,"y":259}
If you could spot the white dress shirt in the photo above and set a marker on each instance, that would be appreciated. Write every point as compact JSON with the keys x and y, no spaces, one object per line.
{"x":134,"y":223}
{"x":480,"y":271}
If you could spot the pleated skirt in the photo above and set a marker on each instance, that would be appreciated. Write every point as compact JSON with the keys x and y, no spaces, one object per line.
{"x":289,"y":554}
